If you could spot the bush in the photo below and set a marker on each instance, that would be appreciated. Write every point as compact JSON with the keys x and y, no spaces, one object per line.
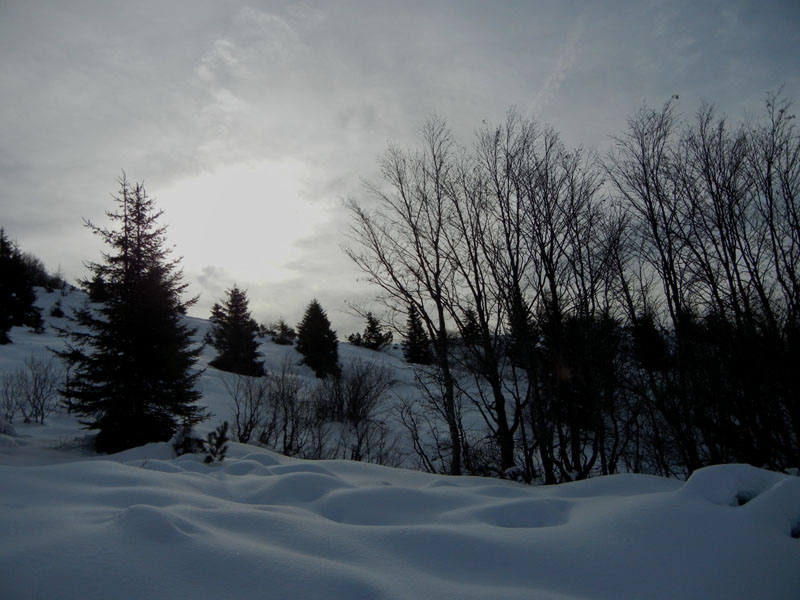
{"x":275,"y":411}
{"x":216,"y":444}
{"x":31,"y":390}
{"x":56,"y":310}
{"x":249,"y":395}
{"x":186,"y":443}
{"x":291,"y":427}
{"x":353,"y":395}
{"x":353,"y":399}
{"x":8,"y":398}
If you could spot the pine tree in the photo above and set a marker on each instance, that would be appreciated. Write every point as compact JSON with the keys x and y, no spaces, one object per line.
{"x":233,"y":333}
{"x":17,"y":296}
{"x":317,"y":342}
{"x":417,"y":348}
{"x":374,"y":336}
{"x":470,"y":328}
{"x":131,"y":357}
{"x":282,"y":334}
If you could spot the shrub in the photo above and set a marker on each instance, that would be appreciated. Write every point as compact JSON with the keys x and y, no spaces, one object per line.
{"x":216,"y":444}
{"x":31,"y":390}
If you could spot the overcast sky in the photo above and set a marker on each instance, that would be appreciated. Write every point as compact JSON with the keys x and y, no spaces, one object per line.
{"x":250,"y":122}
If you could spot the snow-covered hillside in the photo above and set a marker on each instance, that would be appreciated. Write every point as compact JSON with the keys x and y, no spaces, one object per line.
{"x":147,"y":524}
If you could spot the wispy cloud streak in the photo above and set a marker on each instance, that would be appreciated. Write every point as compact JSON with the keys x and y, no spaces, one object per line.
{"x":557,"y":76}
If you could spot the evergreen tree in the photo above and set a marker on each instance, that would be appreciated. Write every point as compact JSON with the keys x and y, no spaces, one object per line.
{"x":132,"y":355}
{"x":317,"y":342}
{"x":282,"y":334}
{"x":374,"y":336}
{"x":470,"y":329}
{"x":417,"y":347}
{"x":233,"y":333}
{"x":17,"y":296}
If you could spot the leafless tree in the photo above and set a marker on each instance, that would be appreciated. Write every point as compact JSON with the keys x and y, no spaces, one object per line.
{"x":714,"y":210}
{"x":401,"y":246}
{"x":8,"y":398}
{"x":644,"y":171}
{"x":32,"y":390}
{"x":356,"y":399}
{"x":291,"y":421}
{"x":641,"y":314}
{"x":250,"y":406}
{"x":424,"y":420}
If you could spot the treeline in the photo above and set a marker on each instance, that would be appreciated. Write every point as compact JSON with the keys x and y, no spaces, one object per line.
{"x":638,"y":311}
{"x":20,"y":272}
{"x":570,"y":314}
{"x":342,"y":416}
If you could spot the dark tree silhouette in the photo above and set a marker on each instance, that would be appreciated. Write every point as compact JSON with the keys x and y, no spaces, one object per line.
{"x":648,"y":325}
{"x":282,"y":334}
{"x":17,"y":296}
{"x":233,"y":334}
{"x":401,"y":246}
{"x":374,"y":336}
{"x":417,"y":347}
{"x":317,"y":342}
{"x":131,"y":357}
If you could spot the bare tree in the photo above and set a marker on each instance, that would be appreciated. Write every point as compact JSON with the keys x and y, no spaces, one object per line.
{"x":425,"y":420}
{"x":250,"y":406}
{"x":402,"y":248}
{"x":714,"y":211}
{"x":8,"y":398}
{"x":289,"y":425}
{"x":356,"y":401}
{"x":644,"y":171}
{"x":478,"y":310}
{"x":33,"y":390}
{"x":504,"y":155}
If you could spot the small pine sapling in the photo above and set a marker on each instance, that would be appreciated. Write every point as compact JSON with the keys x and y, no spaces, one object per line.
{"x":57,"y":310}
{"x":216,"y":444}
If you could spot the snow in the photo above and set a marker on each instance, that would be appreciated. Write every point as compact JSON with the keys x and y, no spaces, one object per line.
{"x":147,"y":524}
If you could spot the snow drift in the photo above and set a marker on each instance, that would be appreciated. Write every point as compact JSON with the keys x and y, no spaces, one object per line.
{"x":144,"y":525}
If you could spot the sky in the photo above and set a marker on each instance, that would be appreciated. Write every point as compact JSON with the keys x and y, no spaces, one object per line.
{"x":251,"y":123}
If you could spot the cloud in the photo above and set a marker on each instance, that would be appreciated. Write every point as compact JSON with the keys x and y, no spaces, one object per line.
{"x":558,"y":74}
{"x":201,"y":90}
{"x":214,"y":280}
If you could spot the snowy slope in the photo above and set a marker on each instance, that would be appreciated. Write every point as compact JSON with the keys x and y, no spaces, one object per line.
{"x":145,"y":524}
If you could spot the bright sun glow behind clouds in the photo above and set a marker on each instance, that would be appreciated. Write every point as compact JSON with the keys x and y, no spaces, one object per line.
{"x":245,"y":218}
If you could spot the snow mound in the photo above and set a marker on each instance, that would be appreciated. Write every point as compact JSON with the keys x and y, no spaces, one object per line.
{"x":730,"y":485}
{"x":141,"y":524}
{"x":6,"y":428}
{"x":766,"y":499}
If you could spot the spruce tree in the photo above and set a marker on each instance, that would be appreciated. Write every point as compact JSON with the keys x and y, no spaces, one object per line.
{"x":417,"y":347}
{"x":317,"y":342}
{"x":17,"y":296}
{"x":131,"y":357}
{"x":282,"y":334}
{"x":470,"y":329}
{"x":233,"y":333}
{"x":374,"y":336}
